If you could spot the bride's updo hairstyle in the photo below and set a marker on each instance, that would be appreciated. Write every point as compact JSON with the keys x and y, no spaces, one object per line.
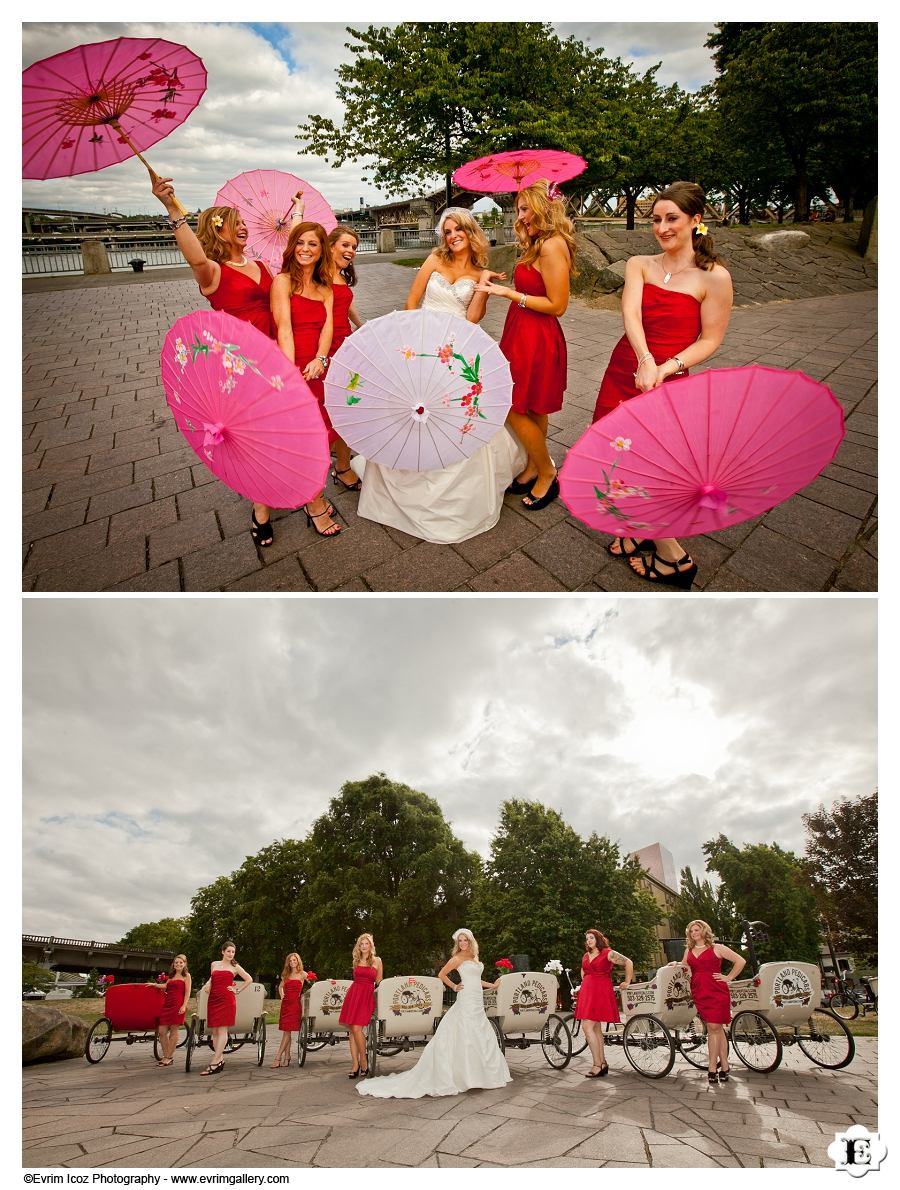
{"x":478,"y":245}
{"x":550,"y":219}
{"x":690,"y":198}
{"x":473,"y":945}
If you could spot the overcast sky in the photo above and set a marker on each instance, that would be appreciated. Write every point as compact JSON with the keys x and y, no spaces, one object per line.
{"x":264,"y":79}
{"x":166,"y":740}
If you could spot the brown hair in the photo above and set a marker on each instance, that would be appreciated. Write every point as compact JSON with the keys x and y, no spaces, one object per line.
{"x":172,"y":967}
{"x":210,"y":225}
{"x":348,"y":273}
{"x":690,"y":198}
{"x":225,"y":946}
{"x":550,"y":219}
{"x":599,"y":937}
{"x":323,"y":269}
{"x":478,"y":245}
{"x":286,"y":970}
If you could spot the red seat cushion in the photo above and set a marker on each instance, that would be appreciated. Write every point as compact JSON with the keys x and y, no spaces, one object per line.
{"x":134,"y":1007}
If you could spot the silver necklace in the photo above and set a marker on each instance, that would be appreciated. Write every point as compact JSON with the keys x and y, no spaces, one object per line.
{"x":667,"y":277}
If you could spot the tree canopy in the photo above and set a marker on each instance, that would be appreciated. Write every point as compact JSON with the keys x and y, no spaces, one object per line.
{"x":166,"y":934}
{"x":842,"y":864}
{"x":710,"y":903}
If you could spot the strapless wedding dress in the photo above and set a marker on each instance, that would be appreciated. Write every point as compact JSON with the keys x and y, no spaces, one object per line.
{"x":462,"y":1054}
{"x":459,"y":501}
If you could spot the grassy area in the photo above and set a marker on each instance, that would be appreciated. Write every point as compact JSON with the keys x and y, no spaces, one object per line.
{"x":89,"y":1010}
{"x":410,"y":262}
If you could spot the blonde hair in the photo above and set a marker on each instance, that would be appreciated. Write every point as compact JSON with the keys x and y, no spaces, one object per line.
{"x":183,"y":957}
{"x":707,"y":932}
{"x":323,"y":269}
{"x":473,"y":945}
{"x":286,"y":970}
{"x":478,"y":244}
{"x":209,"y":232}
{"x":550,"y":219}
{"x":357,"y":953}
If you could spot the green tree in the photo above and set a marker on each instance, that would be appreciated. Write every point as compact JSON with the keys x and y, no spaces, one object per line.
{"x":166,"y":934}
{"x":421,"y":98}
{"x":90,"y":989}
{"x":212,"y":921}
{"x":383,"y":861}
{"x":810,"y":84}
{"x":544,"y":885}
{"x":708,"y":902}
{"x":842,"y":864}
{"x":769,"y":884}
{"x":36,"y":978}
{"x":267,"y":919}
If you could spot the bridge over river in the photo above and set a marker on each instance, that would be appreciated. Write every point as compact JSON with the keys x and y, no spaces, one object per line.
{"x":109,"y":958}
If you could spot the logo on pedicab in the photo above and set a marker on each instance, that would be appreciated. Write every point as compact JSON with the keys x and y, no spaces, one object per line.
{"x":742,"y":994}
{"x":411,"y":996}
{"x":636,"y":996}
{"x":678,"y":988}
{"x":791,"y":986}
{"x":333,"y":1000}
{"x":529,"y":996}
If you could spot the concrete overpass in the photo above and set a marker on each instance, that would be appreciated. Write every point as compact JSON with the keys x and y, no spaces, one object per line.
{"x":77,"y":955}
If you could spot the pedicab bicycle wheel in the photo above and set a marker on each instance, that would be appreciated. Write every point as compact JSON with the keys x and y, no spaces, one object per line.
{"x":189,"y":1046}
{"x":372,"y":1046}
{"x":98,"y":1040}
{"x":501,"y":1040}
{"x":756,"y":1042}
{"x":693,"y":1044}
{"x":579,"y":1040}
{"x":157,"y":1049}
{"x":303,"y":1045}
{"x":844,"y":1007}
{"x":826,"y":1040}
{"x":260,"y":1041}
{"x":556,"y":1042}
{"x":648,"y":1046}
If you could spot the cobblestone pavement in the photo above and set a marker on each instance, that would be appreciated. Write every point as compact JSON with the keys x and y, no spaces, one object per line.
{"x":127,"y":1113}
{"x":114,"y":500}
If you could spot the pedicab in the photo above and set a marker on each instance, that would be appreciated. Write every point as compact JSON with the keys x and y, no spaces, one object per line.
{"x":249,"y":1026}
{"x":319,"y":1026}
{"x":130,"y":1014}
{"x":408,"y":1010}
{"x":524,"y":1004}
{"x":657,"y":1021}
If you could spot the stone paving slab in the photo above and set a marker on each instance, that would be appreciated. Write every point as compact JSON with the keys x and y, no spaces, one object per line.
{"x":128,"y":1113}
{"x":114,"y":501}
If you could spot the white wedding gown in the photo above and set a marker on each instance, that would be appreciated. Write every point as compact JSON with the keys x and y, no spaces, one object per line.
{"x":462,"y":1054}
{"x":455,"y":503}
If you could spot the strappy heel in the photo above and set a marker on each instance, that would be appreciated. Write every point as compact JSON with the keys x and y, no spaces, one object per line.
{"x":520,"y":487}
{"x":536,"y":503}
{"x":712,"y":1078}
{"x":683,"y":573}
{"x":353,"y":1074}
{"x":261,"y":531}
{"x":348,"y":487}
{"x":723,"y":1076}
{"x":213,"y":1068}
{"x":311,"y":517}
{"x":645,"y":546}
{"x":604,"y":1069}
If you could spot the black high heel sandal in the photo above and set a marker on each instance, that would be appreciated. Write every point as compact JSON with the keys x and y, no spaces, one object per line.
{"x":723,"y":1076}
{"x":312,"y":517}
{"x":261,"y":531}
{"x":213,"y":1068}
{"x":645,"y":546}
{"x":353,"y":1074}
{"x":681,"y":578}
{"x":520,"y":487}
{"x":536,"y":503}
{"x":348,"y":487}
{"x":712,"y":1077}
{"x":604,"y":1070}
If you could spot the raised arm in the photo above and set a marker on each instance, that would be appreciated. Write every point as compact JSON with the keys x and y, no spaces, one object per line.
{"x":244,"y":977}
{"x":450,"y":965}
{"x":417,"y":289}
{"x":478,"y":304}
{"x":622,"y":960}
{"x":207,"y":272}
{"x":555,"y":263}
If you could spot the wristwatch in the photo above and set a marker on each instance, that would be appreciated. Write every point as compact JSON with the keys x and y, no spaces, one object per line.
{"x":324,"y":360}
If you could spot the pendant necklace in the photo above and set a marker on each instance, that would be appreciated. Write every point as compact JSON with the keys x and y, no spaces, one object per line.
{"x":667,"y":277}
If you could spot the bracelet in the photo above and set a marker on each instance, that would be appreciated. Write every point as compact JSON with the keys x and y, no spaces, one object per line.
{"x":174,"y":224}
{"x":681,"y":369}
{"x":522,"y":300}
{"x":324,"y":360}
{"x":647,"y":355}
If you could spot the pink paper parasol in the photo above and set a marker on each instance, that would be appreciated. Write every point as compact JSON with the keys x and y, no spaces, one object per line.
{"x":265,"y":199}
{"x":98,"y":104}
{"x":518,"y":168}
{"x":702,"y":453}
{"x":418,"y":390}
{"x":246,"y":411}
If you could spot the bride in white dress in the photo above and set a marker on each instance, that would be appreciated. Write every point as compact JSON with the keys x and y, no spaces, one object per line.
{"x":463,"y":1053}
{"x":466,"y":498}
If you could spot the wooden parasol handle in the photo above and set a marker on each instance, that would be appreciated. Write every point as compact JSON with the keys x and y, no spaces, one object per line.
{"x":182,"y":210}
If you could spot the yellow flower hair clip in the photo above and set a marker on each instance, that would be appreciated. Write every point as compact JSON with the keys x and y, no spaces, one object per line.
{"x":701,"y":229}
{"x":217,"y":220}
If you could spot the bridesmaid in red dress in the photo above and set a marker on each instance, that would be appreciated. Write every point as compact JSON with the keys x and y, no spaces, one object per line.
{"x":709,"y":989}
{"x":675,"y":307}
{"x":343,"y":243}
{"x":359,"y":1003}
{"x":596,"y":1003}
{"x":532,"y":339}
{"x":229,"y":282}
{"x":178,"y":992}
{"x":290,"y":988}
{"x":303,"y":310}
{"x":221,"y":1006}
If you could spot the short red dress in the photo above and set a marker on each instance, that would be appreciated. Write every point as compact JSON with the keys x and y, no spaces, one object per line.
{"x":343,"y":300}
{"x":171,"y":1010}
{"x":291,"y":1010}
{"x":596,"y":996}
{"x":359,"y":1003}
{"x":307,"y":320}
{"x":535,"y":347}
{"x":711,"y":996}
{"x":671,"y":322}
{"x":241,"y":296}
{"x":221,"y":1007}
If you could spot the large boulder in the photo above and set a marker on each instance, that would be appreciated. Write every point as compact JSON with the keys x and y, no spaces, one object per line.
{"x":771,"y":241}
{"x":49,"y":1035}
